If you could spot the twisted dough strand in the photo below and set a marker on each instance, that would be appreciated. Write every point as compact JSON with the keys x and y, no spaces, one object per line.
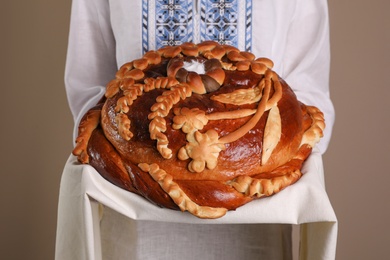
{"x":254,"y":187}
{"x":164,"y":104}
{"x":86,"y":127}
{"x":315,"y":132}
{"x":177,"y":194}
{"x":131,"y":91}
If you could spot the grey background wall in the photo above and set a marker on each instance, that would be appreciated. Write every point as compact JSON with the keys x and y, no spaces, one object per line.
{"x":36,"y":126}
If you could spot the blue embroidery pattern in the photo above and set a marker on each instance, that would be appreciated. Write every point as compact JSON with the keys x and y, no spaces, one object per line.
{"x":248,"y":26}
{"x":219,"y":21}
{"x":173,"y":22}
{"x":145,"y":38}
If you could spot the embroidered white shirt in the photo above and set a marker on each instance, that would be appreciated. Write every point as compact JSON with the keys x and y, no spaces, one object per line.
{"x":104,"y":34}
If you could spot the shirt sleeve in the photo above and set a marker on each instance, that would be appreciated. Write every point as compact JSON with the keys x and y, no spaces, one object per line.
{"x":306,"y":64}
{"x":90,"y":62}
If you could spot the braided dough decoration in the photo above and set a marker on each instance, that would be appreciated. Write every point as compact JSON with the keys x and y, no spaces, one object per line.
{"x":203,"y":128}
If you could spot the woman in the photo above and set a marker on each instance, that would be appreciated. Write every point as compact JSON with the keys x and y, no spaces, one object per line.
{"x":105,"y":34}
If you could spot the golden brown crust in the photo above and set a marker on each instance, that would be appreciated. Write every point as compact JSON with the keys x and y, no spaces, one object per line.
{"x":110,"y":165}
{"x":203,"y":142}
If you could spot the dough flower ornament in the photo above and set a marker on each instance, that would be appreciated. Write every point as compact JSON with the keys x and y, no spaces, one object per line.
{"x":203,"y":128}
{"x":189,"y":120}
{"x":203,"y":149}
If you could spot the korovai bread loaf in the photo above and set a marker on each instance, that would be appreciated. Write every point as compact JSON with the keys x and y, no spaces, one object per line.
{"x":203,"y":128}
